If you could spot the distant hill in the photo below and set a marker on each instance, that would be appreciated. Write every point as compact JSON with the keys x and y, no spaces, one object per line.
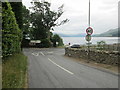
{"x":74,"y":35}
{"x":110,"y":33}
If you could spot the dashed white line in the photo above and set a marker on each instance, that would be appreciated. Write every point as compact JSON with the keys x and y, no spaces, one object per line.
{"x":60,"y":66}
{"x":42,"y":53}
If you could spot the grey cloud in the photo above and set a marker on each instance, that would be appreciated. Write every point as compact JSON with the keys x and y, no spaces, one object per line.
{"x":104,"y":15}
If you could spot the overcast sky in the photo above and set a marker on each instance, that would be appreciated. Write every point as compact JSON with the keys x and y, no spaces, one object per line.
{"x":104,"y":15}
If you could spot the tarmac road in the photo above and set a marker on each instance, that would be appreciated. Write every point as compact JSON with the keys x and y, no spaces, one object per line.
{"x":49,"y":68}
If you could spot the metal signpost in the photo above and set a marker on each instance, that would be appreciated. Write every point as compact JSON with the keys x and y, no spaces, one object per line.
{"x":89,"y":32}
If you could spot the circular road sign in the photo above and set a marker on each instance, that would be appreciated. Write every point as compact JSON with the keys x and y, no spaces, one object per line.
{"x":89,"y":30}
{"x":88,"y":37}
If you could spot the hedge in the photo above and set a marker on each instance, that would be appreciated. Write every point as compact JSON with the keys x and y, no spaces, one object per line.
{"x":11,"y":34}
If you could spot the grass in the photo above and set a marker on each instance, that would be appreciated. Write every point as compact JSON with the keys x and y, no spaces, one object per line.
{"x":61,"y":47}
{"x":14,"y":71}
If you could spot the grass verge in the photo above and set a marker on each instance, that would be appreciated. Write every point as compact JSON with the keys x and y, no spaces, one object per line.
{"x":14,"y":69}
{"x":61,"y":47}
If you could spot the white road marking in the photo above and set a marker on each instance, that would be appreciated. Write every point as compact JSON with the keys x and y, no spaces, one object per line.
{"x":50,"y":52}
{"x":35,"y":54}
{"x":60,"y":66}
{"x":42,"y":53}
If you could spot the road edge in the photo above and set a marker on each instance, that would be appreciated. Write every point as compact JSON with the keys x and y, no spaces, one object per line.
{"x":98,"y":68}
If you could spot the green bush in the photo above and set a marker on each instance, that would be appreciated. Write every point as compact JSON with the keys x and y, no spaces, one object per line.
{"x":101,"y":45}
{"x":46,"y":43}
{"x":11,"y":34}
{"x":57,"y":40}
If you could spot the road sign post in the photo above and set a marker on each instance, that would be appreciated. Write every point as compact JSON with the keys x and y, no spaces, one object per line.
{"x":89,"y":32}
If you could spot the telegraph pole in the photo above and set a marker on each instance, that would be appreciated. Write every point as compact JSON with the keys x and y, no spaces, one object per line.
{"x":89,"y":32}
{"x":89,"y":15}
{"x":89,"y":41}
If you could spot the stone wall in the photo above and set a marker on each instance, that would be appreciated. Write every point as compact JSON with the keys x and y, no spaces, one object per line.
{"x":104,"y":57}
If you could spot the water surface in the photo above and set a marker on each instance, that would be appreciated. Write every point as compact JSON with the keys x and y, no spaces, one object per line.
{"x":94,"y":40}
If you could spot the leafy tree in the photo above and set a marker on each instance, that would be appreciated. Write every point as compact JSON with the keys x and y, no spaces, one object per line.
{"x":0,"y":28}
{"x":26,"y":20}
{"x":57,"y":40}
{"x":45,"y":43}
{"x":11,"y":34}
{"x":43,"y":19}
{"x":26,"y":30}
{"x":17,"y":9}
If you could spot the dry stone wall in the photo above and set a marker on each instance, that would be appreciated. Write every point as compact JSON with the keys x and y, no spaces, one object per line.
{"x":104,"y":57}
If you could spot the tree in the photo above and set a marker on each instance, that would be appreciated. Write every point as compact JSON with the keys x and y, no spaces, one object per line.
{"x":57,"y":40}
{"x":26,"y":30}
{"x":17,"y":9}
{"x":0,"y":28}
{"x":26,"y":20}
{"x":43,"y":19}
{"x":11,"y":34}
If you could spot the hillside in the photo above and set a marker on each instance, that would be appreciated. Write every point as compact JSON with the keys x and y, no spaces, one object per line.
{"x":110,"y":33}
{"x":73,"y":35}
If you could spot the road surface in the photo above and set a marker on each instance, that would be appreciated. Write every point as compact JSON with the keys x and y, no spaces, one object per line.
{"x":49,"y":68}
